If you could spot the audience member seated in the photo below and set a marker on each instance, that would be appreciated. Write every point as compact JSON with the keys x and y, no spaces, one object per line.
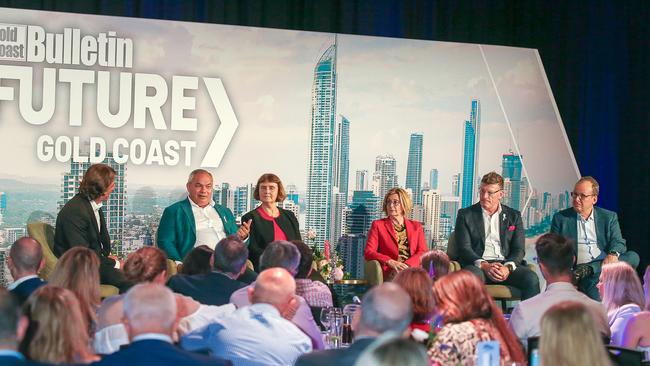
{"x":622,"y":295}
{"x":469,"y":316}
{"x":285,"y":255}
{"x":57,"y":332}
{"x":637,"y":330}
{"x":555,"y":255}
{"x":316,"y":293}
{"x":436,"y":263}
{"x":215,"y":288}
{"x":12,"y":330}
{"x":257,"y":334}
{"x":197,"y":261}
{"x":78,"y":271}
{"x":490,"y":240}
{"x":149,"y":265}
{"x":395,"y":351}
{"x":150,"y":320}
{"x":569,"y":337}
{"x":416,"y":282}
{"x":268,"y":222}
{"x":24,"y":261}
{"x":384,"y":309}
{"x":596,"y":234}
{"x":395,"y":241}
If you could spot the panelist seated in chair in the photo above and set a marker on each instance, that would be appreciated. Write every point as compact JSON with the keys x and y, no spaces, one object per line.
{"x":596,"y":233}
{"x":196,"y":220}
{"x":490,"y":240}
{"x":395,"y":242}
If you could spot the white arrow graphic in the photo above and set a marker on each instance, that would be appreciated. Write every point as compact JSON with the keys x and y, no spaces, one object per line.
{"x":227,"y":128}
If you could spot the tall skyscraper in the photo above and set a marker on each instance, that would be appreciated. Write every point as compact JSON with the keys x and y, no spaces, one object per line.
{"x":243,"y":197}
{"x":433,"y":179}
{"x":114,"y":209}
{"x":321,"y":154}
{"x":449,"y":207}
{"x":431,"y":203}
{"x":5,"y":276}
{"x":455,"y":185}
{"x":363,"y":212}
{"x":361,"y":182}
{"x":511,"y":169}
{"x":339,"y":201}
{"x":350,"y":249}
{"x":414,"y":168}
{"x":385,"y":175}
{"x":224,"y":196}
{"x":342,"y":154}
{"x":471,"y":139}
{"x":3,"y":203}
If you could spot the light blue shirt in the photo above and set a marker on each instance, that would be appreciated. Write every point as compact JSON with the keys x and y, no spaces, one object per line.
{"x":588,"y":249}
{"x":252,"y":336}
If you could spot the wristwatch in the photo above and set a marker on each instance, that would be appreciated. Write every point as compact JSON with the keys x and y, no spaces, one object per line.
{"x":613,"y":252}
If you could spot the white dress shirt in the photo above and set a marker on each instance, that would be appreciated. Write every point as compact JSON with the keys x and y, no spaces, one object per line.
{"x":588,"y":249}
{"x":492,"y":239}
{"x":525,"y":318}
{"x":254,"y":335}
{"x":209,"y":227}
{"x":96,"y":207}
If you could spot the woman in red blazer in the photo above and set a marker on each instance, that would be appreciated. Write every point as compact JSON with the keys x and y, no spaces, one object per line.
{"x":396,"y":242}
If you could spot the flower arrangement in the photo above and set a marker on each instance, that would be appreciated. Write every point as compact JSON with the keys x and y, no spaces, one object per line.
{"x":326,"y":261}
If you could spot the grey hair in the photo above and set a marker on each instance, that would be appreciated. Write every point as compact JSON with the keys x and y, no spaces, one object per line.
{"x":595,"y":187}
{"x":386,"y":308}
{"x":199,"y":171}
{"x":230,"y":255}
{"x":150,"y":303}
{"x":281,"y":253}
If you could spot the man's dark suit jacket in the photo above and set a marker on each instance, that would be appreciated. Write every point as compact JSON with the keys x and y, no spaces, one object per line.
{"x":213,"y":288}
{"x":76,"y":226}
{"x":337,"y":357}
{"x":26,"y":288}
{"x":158,"y":353}
{"x":608,"y":232}
{"x":470,"y":234}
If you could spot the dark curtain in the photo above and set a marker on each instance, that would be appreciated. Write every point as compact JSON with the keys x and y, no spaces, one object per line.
{"x":595,"y":54}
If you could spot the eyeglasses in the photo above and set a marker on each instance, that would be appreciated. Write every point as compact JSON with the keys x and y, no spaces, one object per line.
{"x":393,"y":203}
{"x":490,"y":194}
{"x":580,"y":196}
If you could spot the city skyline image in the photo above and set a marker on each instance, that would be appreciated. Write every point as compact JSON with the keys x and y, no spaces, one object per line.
{"x":339,"y":118}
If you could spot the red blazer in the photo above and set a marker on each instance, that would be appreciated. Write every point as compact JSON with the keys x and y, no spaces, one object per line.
{"x":382,"y":243}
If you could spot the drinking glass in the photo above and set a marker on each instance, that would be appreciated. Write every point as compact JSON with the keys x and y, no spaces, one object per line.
{"x":325,"y":317}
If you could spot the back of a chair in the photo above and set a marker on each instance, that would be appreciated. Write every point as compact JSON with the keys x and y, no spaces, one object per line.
{"x":452,"y":251}
{"x":44,"y":234}
{"x":625,"y":356}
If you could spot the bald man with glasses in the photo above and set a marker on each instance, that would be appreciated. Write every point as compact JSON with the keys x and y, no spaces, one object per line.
{"x":490,"y":240}
{"x":596,"y":235}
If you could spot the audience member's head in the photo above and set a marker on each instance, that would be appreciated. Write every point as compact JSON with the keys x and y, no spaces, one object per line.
{"x":280,"y":253}
{"x":197,"y":261}
{"x":385,"y":308}
{"x":396,"y":351}
{"x":230,"y":256}
{"x":436,"y":263}
{"x":461,"y":296}
{"x":147,"y":264}
{"x":78,"y":271}
{"x":306,"y":259}
{"x":149,"y":308}
{"x":25,"y":258}
{"x":555,"y":254}
{"x":57,"y":332}
{"x":569,"y":337}
{"x":619,"y":285}
{"x":274,"y":286}
{"x":416,"y":282}
{"x":12,"y":323}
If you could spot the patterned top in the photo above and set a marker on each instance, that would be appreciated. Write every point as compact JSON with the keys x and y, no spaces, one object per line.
{"x":455,"y":344}
{"x":316,"y":293}
{"x":402,"y":242}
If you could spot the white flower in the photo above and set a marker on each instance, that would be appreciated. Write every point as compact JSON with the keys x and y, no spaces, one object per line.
{"x":311,"y":234}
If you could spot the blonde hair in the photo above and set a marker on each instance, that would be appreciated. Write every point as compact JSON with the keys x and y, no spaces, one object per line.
{"x":620,"y":286}
{"x":56,"y":332}
{"x":78,"y":271}
{"x":569,"y":337}
{"x":405,"y":200}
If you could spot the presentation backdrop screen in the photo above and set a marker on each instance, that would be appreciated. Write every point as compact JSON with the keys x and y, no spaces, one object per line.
{"x":339,"y":118}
